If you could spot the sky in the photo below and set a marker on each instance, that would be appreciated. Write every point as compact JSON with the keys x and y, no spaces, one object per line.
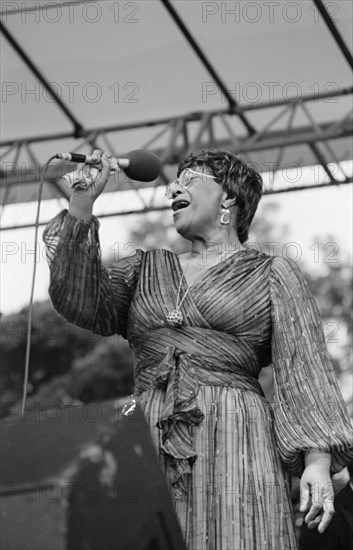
{"x":134,"y":58}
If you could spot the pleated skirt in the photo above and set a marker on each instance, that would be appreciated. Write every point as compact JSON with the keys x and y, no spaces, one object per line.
{"x":238,"y":495}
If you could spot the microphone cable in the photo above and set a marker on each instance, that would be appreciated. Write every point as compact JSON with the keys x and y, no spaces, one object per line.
{"x":145,"y":166}
{"x":30,"y":305}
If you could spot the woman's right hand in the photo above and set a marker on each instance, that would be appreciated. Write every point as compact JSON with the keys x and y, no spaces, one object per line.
{"x":82,"y":199}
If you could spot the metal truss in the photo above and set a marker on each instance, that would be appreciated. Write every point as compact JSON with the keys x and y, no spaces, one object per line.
{"x":272,"y":150}
{"x":276,"y":137}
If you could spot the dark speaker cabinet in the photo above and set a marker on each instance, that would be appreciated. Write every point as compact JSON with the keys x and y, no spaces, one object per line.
{"x":83,"y":477}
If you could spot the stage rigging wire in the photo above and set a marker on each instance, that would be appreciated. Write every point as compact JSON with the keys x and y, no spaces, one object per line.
{"x":37,"y":7}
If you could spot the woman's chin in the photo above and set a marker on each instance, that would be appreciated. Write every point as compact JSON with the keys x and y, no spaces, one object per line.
{"x":181,"y":228}
{"x":180,"y":231}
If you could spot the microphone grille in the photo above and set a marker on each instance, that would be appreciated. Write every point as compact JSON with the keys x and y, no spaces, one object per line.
{"x":144,"y":165}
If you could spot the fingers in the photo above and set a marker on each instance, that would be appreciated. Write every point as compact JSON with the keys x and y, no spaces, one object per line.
{"x":315,"y":522}
{"x":321,"y":509}
{"x":100,"y":158}
{"x":313,"y":514}
{"x":320,"y":520}
{"x":97,"y":155}
{"x":327,"y":506}
{"x":105,"y":160}
{"x":105,"y":170}
{"x":101,"y":178}
{"x":326,"y":517}
{"x":304,"y":498}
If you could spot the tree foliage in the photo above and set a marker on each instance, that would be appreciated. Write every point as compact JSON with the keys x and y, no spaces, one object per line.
{"x":67,"y":363}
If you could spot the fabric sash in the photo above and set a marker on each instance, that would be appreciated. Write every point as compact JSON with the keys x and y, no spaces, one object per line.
{"x":178,"y":361}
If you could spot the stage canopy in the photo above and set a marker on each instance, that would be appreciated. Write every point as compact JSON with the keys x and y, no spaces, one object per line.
{"x":271,"y":81}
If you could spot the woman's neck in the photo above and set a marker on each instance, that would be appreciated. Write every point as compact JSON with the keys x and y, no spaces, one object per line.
{"x":206,"y":254}
{"x":216,"y":245}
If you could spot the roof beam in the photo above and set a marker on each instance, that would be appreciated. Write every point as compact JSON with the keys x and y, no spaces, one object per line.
{"x":233,"y":105}
{"x":171,"y":154}
{"x":189,"y":117}
{"x":334,"y":31}
{"x":77,"y":126}
{"x":271,"y":148}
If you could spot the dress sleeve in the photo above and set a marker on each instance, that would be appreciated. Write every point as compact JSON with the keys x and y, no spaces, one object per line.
{"x":309,"y":411}
{"x":87,"y":294}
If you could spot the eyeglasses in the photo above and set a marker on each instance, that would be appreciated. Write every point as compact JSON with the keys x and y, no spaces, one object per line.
{"x":185,"y":182}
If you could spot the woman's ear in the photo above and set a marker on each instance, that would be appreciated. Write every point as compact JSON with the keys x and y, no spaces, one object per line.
{"x":229,"y":202}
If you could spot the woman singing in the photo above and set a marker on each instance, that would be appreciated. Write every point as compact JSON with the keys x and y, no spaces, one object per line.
{"x":202,"y":326}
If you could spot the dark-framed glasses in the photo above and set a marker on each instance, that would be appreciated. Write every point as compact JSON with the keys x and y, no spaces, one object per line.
{"x":184,"y":182}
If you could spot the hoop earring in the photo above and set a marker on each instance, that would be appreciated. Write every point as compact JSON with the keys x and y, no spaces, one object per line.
{"x":225,"y":218}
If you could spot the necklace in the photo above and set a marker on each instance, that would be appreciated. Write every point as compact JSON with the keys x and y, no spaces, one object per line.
{"x":175,"y":318}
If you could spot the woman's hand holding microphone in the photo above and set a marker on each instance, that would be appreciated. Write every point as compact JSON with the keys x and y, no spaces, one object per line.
{"x":83,"y":197}
{"x":89,"y":179}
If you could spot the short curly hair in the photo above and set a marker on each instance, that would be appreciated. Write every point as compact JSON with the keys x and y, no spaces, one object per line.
{"x":240,"y":181}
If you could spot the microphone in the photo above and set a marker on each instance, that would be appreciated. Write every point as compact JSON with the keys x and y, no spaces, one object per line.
{"x":138,"y":165}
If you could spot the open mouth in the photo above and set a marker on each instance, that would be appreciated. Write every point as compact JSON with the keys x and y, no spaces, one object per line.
{"x":179,"y":205}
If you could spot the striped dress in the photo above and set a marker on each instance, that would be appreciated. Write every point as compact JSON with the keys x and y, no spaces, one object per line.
{"x":225,"y":450}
